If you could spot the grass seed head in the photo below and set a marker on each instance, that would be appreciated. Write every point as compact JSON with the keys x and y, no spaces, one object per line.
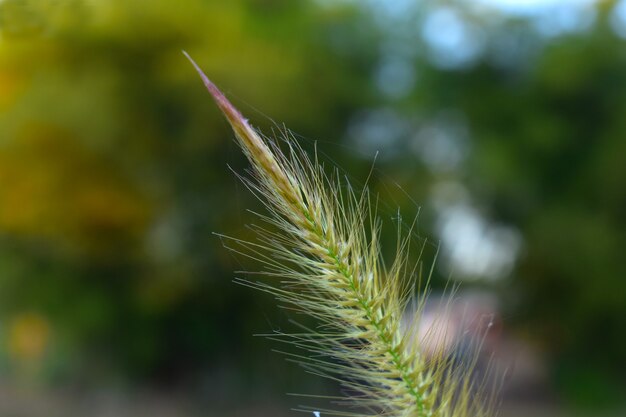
{"x":323,"y":249}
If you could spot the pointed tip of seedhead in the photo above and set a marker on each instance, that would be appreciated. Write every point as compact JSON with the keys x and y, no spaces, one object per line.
{"x":232,"y":114}
{"x":256,"y":149}
{"x":244,"y":132}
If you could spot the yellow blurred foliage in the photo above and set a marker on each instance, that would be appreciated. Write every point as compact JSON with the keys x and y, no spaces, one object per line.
{"x":28,"y":337}
{"x":11,"y":83}
{"x":52,"y":187}
{"x":71,"y":117}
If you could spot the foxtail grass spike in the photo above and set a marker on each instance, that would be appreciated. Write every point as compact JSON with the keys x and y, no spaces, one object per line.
{"x":321,"y":255}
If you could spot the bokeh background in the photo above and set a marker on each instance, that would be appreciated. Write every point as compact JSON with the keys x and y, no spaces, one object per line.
{"x":502,"y":122}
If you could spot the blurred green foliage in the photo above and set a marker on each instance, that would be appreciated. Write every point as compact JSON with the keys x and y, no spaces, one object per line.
{"x":551,"y":159}
{"x":113,"y":175}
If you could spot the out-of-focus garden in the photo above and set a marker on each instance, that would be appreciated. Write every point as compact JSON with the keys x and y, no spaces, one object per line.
{"x":502,"y":122}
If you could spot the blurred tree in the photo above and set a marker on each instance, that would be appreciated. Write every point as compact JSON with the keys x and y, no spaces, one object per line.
{"x":551,"y":160}
{"x":543,"y":102}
